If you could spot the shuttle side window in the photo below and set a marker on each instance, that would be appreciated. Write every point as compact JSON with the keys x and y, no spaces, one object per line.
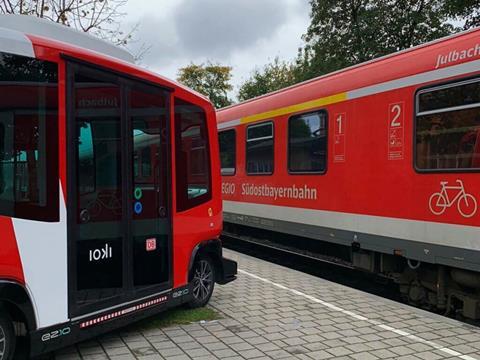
{"x":28,"y":138}
{"x":227,"y":141}
{"x":192,"y":155}
{"x":260,"y":149}
{"x":447,"y":132}
{"x":307,"y":143}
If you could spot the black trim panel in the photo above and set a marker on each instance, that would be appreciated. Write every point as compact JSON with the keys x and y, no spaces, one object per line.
{"x":61,"y":335}
{"x":226,"y":270}
{"x":229,"y":272}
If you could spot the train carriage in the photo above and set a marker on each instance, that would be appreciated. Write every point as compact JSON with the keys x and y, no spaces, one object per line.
{"x":381,"y":159}
{"x":110,"y":207}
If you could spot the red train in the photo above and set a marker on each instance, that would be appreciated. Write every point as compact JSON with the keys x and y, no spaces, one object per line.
{"x":110,"y":189}
{"x":381,"y":159}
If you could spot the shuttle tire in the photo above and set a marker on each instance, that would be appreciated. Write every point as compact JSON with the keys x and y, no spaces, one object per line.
{"x":7,"y":337}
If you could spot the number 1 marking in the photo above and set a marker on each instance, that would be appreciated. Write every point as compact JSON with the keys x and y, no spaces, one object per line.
{"x":340,"y":134}
{"x":339,"y":121}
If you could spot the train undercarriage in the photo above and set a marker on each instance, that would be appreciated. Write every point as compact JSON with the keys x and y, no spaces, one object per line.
{"x":446,"y":290}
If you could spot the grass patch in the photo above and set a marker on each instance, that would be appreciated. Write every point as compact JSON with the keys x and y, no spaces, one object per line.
{"x":180,"y":316}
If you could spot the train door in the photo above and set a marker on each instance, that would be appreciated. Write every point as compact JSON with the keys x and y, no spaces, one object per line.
{"x":119,"y":225}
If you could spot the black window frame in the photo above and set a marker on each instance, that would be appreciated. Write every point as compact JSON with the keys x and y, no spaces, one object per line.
{"x":433,"y":87}
{"x":191,"y":203}
{"x":234,"y":152}
{"x":293,"y":172}
{"x":272,"y":123}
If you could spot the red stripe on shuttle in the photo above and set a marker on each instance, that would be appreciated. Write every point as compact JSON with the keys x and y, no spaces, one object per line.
{"x":10,"y":263}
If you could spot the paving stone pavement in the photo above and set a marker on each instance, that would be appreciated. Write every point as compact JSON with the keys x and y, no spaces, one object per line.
{"x":271,"y":312}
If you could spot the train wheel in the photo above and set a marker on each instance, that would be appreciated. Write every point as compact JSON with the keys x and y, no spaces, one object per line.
{"x":203,"y":282}
{"x":7,"y":337}
{"x":438,"y":203}
{"x":467,"y":205}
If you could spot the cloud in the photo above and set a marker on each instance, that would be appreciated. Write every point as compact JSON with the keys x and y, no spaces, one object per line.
{"x":215,"y":28}
{"x":157,"y":34}
{"x":239,"y":33}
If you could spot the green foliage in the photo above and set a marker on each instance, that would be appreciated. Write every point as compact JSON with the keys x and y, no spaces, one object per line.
{"x":274,"y":76}
{"x":17,"y":68}
{"x":347,"y":32}
{"x":211,"y":80}
{"x":467,"y":11}
{"x":353,"y":31}
{"x":180,"y":316}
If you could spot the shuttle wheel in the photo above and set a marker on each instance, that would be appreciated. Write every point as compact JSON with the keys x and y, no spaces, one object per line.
{"x":7,"y":337}
{"x":203,"y":282}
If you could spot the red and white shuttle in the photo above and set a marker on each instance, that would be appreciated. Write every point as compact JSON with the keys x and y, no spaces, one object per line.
{"x":110,"y":205}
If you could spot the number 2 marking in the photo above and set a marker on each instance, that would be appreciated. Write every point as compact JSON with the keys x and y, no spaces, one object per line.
{"x":398,"y":109}
{"x":396,"y":133}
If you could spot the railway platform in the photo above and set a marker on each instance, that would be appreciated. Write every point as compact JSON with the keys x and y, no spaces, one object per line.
{"x":272,"y":312}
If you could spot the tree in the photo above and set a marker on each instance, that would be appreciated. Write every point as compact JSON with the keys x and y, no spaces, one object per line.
{"x":211,"y":80}
{"x":467,"y":11}
{"x":347,"y":32}
{"x":99,"y":17}
{"x":274,"y":76}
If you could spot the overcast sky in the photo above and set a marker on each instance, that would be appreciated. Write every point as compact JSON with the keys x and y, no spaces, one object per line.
{"x":243,"y":34}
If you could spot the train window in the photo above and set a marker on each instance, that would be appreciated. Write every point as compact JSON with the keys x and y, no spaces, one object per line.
{"x":28,"y":138}
{"x":307,"y":143}
{"x":227,"y":141}
{"x":192,"y":155}
{"x":448,"y":127}
{"x":260,"y":149}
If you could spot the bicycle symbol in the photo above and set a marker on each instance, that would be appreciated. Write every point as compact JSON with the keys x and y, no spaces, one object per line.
{"x":440,"y":201}
{"x":104,"y":201}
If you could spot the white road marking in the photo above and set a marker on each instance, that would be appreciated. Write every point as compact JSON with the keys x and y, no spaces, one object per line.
{"x":403,"y":333}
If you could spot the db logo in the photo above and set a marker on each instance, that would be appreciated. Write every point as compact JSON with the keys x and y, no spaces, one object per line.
{"x":151,"y":244}
{"x":450,"y":195}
